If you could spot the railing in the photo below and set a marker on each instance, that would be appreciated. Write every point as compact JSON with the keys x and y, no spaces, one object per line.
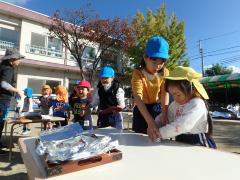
{"x":38,"y":50}
{"x":87,"y":63}
{"x":5,"y":45}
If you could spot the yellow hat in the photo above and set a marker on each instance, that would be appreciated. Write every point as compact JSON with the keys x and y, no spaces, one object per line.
{"x":189,"y":74}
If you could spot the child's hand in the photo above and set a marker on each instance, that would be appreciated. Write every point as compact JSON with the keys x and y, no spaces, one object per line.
{"x":153,"y":131}
{"x":58,"y":109}
{"x":117,"y":109}
{"x":82,"y":113}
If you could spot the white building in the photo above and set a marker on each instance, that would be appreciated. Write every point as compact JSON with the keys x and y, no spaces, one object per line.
{"x":46,"y":61}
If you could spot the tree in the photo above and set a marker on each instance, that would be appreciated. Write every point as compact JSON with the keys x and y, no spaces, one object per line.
{"x":217,"y":69}
{"x":78,"y":29}
{"x":157,"y":24}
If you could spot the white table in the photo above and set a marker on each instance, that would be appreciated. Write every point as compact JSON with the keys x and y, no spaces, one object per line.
{"x":143,"y":160}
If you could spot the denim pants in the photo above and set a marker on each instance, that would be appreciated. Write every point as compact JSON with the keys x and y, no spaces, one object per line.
{"x":112,"y":119}
{"x":4,"y":110}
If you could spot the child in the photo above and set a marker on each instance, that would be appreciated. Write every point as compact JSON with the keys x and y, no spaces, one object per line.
{"x":188,"y":115}
{"x":60,"y":106}
{"x":110,"y":98}
{"x":74,"y":92}
{"x":148,"y":89}
{"x":44,"y":103}
{"x":81,"y":105}
{"x":19,"y":105}
{"x":27,"y":107}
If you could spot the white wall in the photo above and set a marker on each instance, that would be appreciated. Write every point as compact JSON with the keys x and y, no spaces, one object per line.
{"x":25,"y":72}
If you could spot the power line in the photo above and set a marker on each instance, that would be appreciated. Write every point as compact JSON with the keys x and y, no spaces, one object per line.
{"x":231,"y":57}
{"x":210,"y":55}
{"x":232,"y":47}
{"x":220,"y":35}
{"x":222,"y":49}
{"x":230,"y":62}
{"x":214,"y":37}
{"x":229,"y":52}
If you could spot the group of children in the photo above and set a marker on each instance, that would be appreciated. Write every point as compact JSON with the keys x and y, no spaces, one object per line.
{"x":109,"y":99}
{"x":186,"y":119}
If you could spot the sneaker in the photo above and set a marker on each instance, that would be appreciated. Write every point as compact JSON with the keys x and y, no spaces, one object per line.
{"x":2,"y":152}
{"x":25,"y":132}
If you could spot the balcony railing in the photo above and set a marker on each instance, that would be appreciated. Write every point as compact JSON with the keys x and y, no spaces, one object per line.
{"x":87,"y":63}
{"x":38,"y":50}
{"x":5,"y":45}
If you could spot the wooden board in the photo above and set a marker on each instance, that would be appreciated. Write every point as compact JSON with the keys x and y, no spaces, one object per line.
{"x":77,"y":165}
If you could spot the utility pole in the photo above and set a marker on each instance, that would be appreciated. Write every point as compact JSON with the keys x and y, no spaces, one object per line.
{"x":201,"y":54}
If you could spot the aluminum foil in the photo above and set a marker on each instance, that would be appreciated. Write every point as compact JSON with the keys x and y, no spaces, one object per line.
{"x":69,"y":143}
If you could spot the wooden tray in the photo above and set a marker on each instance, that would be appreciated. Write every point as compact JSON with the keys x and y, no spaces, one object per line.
{"x":77,"y":165}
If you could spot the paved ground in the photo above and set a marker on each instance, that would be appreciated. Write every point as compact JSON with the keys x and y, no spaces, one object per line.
{"x":227,"y":138}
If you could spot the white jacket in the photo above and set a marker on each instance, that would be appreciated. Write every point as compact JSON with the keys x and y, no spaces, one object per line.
{"x":187,"y":118}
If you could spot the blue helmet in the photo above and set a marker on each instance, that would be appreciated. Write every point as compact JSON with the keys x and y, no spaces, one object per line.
{"x":107,"y":72}
{"x":77,"y":82}
{"x":28,"y":92}
{"x":157,"y":47}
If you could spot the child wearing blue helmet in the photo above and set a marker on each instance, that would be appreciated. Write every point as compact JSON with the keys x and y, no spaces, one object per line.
{"x":27,"y":107}
{"x":148,"y":89}
{"x":109,"y":99}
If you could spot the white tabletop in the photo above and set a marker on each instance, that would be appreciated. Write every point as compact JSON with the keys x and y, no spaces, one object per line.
{"x":143,"y":159}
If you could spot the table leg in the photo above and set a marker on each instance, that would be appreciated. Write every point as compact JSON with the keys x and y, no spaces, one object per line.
{"x":11,"y":142}
{"x":5,"y":130}
{"x":45,"y":125}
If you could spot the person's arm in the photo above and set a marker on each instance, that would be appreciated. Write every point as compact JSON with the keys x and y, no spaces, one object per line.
{"x":164,"y":100}
{"x":120,"y":98}
{"x":184,"y":123}
{"x":137,"y":88}
{"x":5,"y":85}
{"x":152,"y":129}
{"x":6,"y":77}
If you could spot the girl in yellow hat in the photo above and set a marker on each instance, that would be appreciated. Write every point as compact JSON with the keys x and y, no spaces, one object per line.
{"x":188,"y":116}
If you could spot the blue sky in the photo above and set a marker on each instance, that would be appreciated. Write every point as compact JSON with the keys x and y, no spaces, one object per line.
{"x":215,"y":22}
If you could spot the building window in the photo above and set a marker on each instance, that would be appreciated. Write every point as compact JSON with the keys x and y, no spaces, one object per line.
{"x":43,"y":45}
{"x":89,"y":52}
{"x":88,"y":57}
{"x":38,"y":40}
{"x":36,"y":84}
{"x":109,"y":58}
{"x":9,"y":38}
{"x":54,"y":47}
{"x":53,"y":84}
